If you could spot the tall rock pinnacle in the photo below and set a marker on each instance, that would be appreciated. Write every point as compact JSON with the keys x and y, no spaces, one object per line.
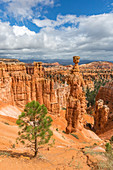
{"x":76,"y":103}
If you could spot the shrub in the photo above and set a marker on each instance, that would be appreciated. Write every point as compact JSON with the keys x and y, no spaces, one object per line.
{"x":111,"y":140}
{"x":75,"y":136}
{"x":108,"y":147}
{"x":57,"y":129}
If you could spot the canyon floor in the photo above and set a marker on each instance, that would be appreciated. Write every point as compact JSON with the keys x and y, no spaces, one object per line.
{"x":82,"y":150}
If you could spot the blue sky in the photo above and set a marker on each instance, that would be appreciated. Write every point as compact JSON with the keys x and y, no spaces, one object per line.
{"x":56,"y":29}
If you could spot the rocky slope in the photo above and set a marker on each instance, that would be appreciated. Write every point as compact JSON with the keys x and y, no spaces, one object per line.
{"x":80,"y":148}
{"x":66,"y":152}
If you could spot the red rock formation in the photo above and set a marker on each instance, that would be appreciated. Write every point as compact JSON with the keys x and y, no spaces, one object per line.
{"x":38,"y":69}
{"x":76,"y":103}
{"x":15,"y":67}
{"x":5,"y":84}
{"x":7,"y":60}
{"x":101,"y":115}
{"x":106,"y":94}
{"x":97,"y":70}
{"x":89,"y":84}
{"x":55,"y":95}
{"x":17,"y":87}
{"x":20,"y":84}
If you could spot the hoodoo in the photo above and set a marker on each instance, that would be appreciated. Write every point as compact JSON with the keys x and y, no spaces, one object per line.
{"x":76,"y":103}
{"x":21,"y":83}
{"x":101,"y":115}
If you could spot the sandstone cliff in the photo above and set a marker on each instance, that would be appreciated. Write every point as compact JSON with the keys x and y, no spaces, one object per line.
{"x":20,"y":84}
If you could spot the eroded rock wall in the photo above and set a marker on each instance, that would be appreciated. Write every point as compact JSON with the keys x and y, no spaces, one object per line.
{"x":101,"y":115}
{"x":5,"y":84}
{"x":106,"y":94}
{"x":20,"y":84}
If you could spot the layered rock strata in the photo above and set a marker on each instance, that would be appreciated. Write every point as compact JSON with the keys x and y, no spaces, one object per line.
{"x":106,"y":94}
{"x":76,"y":103}
{"x":101,"y":115}
{"x":20,"y":84}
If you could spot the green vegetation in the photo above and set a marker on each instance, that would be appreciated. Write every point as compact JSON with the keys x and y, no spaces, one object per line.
{"x":91,"y":95}
{"x":56,"y":129}
{"x":63,"y":108}
{"x":35,"y":125}
{"x":108,"y":147}
{"x":111,"y":140}
{"x":52,"y":143}
{"x":108,"y":163}
{"x":58,"y":77}
{"x":75,"y":136}
{"x":13,"y":146}
{"x":71,"y":134}
{"x":6,"y":123}
{"x":4,"y":153}
{"x":64,"y":131}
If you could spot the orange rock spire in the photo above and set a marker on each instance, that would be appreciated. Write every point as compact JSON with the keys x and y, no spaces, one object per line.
{"x":76,"y":103}
{"x":76,"y":61}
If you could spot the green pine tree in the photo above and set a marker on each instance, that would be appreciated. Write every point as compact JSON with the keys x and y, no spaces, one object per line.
{"x":35,"y":125}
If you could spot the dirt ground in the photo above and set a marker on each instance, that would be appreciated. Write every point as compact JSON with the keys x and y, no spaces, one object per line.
{"x":64,"y":152}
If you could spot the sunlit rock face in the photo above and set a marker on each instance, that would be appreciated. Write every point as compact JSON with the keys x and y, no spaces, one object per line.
{"x":16,"y":86}
{"x":106,"y":94}
{"x":5,"y":84}
{"x":76,"y":103}
{"x":101,"y":115}
{"x":21,"y":83}
{"x":99,"y":70}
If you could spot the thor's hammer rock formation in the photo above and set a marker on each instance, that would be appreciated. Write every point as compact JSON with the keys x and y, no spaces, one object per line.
{"x":76,"y":103}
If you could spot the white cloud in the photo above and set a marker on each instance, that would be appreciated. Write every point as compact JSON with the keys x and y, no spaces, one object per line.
{"x":61,"y":20}
{"x":20,"y":31}
{"x":24,"y":8}
{"x":43,"y":23}
{"x":90,"y":37}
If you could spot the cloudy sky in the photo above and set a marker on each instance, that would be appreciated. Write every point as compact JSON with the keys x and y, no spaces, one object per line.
{"x":56,"y":29}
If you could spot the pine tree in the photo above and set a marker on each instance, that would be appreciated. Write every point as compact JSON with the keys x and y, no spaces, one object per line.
{"x":35,"y":125}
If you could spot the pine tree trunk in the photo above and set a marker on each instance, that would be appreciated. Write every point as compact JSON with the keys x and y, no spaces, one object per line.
{"x":36,"y":149}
